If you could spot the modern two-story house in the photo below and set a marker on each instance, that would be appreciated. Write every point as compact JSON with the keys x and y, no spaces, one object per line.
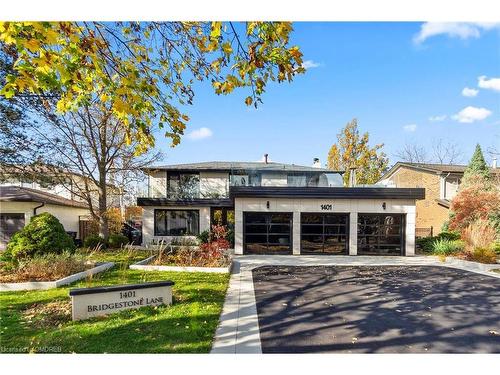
{"x":279,"y":208}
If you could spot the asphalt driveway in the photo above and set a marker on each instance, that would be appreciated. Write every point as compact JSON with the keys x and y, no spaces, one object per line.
{"x":376,"y":309}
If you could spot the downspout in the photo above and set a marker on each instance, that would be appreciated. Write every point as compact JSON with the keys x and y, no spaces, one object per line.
{"x":37,"y":207}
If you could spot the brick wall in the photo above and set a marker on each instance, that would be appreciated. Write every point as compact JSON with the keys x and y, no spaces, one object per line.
{"x":429,"y":213}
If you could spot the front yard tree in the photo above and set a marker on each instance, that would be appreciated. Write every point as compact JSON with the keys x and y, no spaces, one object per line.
{"x":93,"y":144}
{"x":353,"y":151}
{"x":143,"y":72}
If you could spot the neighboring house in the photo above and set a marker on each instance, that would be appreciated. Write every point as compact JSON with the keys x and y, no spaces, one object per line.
{"x":441,"y":183}
{"x":18,"y":204}
{"x":279,"y":208}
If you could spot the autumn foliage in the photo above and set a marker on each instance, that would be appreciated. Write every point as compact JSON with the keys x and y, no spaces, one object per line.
{"x":474,"y":203}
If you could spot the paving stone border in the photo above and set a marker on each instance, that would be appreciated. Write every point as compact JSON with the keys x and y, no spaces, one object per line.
{"x":43,"y":285}
{"x":144,"y":265}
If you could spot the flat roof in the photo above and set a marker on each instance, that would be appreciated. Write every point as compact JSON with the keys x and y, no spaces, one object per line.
{"x":328,"y":192}
{"x":238,"y":165}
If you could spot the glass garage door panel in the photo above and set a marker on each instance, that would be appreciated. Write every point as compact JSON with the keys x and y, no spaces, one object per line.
{"x":267,"y":233}
{"x":324,"y":233}
{"x":381,"y":234}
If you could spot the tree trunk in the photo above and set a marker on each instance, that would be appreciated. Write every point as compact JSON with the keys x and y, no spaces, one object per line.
{"x":103,"y":204}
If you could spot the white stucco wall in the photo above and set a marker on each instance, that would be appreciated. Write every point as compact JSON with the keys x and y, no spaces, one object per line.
{"x":148,"y":221}
{"x":214,"y":184}
{"x":158,"y":184}
{"x":351,"y":206}
{"x":68,"y":216}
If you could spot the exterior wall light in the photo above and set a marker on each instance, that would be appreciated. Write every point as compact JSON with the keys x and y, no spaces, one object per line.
{"x":268,"y":205}
{"x":384,"y":205}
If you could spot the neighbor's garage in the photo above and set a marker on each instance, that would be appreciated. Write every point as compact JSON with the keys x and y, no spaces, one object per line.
{"x":324,"y":233}
{"x":267,"y":233}
{"x":381,"y":234}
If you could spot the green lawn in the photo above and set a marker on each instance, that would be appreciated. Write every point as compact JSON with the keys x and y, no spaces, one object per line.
{"x":187,"y":326}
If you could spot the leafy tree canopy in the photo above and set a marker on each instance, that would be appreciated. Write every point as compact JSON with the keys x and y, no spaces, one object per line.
{"x":145,"y":71}
{"x":353,"y":151}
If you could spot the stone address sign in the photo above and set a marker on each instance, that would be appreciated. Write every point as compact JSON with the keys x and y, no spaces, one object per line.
{"x":89,"y":302}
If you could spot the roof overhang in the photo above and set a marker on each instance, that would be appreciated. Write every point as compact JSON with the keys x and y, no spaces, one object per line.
{"x":328,"y":192}
{"x":184,"y":202}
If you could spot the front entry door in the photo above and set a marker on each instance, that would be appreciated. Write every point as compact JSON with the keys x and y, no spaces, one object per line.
{"x":267,"y":233}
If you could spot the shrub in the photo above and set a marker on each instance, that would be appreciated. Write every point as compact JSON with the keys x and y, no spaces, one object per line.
{"x":94,"y":241}
{"x":204,"y":237}
{"x":183,"y":241}
{"x":426,"y":244}
{"x":483,"y":255}
{"x":117,"y":240}
{"x":479,"y":201}
{"x":496,"y":247}
{"x":445,"y":246}
{"x":43,"y":235}
{"x":479,"y":234}
{"x":448,"y":235}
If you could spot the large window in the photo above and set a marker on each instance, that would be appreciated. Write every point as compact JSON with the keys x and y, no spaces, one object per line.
{"x":323,"y":233}
{"x":250,"y":179}
{"x":381,"y":234}
{"x":177,"y":222}
{"x":183,"y":185}
{"x":267,"y":233}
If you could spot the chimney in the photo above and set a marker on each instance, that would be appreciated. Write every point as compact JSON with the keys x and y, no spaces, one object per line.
{"x":316,"y":163}
{"x":352,"y":177}
{"x":265,"y":158}
{"x":494,"y":163}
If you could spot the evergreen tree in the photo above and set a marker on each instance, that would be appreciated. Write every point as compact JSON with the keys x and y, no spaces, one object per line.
{"x":477,"y":167}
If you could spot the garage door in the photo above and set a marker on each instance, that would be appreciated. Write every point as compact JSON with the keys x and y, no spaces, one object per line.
{"x":322,"y":233}
{"x":9,"y":224}
{"x":267,"y":233}
{"x":381,"y":234}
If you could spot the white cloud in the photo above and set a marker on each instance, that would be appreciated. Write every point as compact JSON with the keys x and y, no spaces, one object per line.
{"x":308,"y":64}
{"x":437,"y":118}
{"x":462,"y":30}
{"x":469,"y":92}
{"x":200,"y":133}
{"x":489,"y":83}
{"x":471,"y":114}
{"x":410,"y":128}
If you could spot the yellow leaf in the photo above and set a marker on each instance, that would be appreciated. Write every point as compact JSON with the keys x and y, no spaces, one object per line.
{"x":248,"y":100}
{"x":216,"y":29}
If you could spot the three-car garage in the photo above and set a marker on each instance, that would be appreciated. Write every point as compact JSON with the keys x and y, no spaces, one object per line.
{"x":325,"y":221}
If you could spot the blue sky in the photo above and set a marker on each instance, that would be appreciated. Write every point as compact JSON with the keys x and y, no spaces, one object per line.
{"x":404,"y":83}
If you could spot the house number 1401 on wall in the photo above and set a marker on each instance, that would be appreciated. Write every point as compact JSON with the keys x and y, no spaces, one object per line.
{"x":326,"y":207}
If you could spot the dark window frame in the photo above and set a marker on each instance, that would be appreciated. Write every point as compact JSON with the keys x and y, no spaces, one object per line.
{"x":166,"y":221}
{"x":323,"y":224}
{"x":178,"y":195}
{"x":378,"y":236}
{"x":268,"y":233}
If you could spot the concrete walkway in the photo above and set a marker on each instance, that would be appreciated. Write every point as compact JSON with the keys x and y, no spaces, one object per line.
{"x":238,"y":330}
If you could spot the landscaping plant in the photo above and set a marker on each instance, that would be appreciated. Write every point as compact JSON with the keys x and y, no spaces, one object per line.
{"x":116,"y":240}
{"x":94,"y":241}
{"x":43,"y":235}
{"x":48,"y":267}
{"x":445,"y":247}
{"x":479,"y":238}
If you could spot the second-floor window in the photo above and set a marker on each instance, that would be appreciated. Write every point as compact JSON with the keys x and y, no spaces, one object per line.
{"x":245,"y":180}
{"x":183,"y":185}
